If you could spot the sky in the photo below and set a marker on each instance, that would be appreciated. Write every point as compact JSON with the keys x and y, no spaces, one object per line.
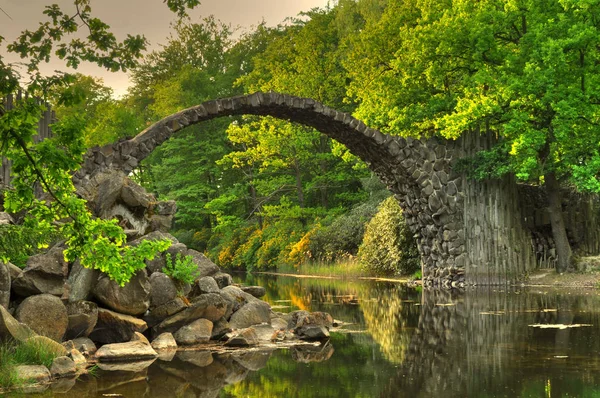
{"x":151,"y":18}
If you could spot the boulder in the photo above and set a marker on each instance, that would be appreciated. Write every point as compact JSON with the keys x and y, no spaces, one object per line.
{"x":197,"y":358}
{"x":137,"y":350}
{"x":209,"y":306}
{"x":253,"y":313}
{"x":114,"y":327}
{"x":160,"y":313}
{"x":14,"y":271}
{"x":131,"y":299}
{"x":44,"y":274}
{"x":63,"y":367}
{"x":242,"y":338}
{"x":84,"y":345}
{"x":279,"y":323}
{"x":135,"y":368}
{"x":6,"y":219}
{"x":4,"y":284}
{"x":159,"y":262}
{"x":11,"y":329}
{"x":253,"y":360}
{"x":45,"y":314}
{"x":79,"y":359}
{"x":311,"y":353}
{"x":81,"y":281}
{"x":83,"y":316}
{"x":223,"y":279}
{"x":220,"y":329}
{"x":236,"y":298}
{"x":314,"y":319}
{"x":311,"y":332}
{"x":206,"y":284}
{"x":256,"y":291}
{"x":49,"y":345}
{"x":165,"y":341}
{"x":197,"y":332}
{"x":205,"y":266}
{"x":33,"y":373}
{"x":162,"y":289}
{"x":134,"y":195}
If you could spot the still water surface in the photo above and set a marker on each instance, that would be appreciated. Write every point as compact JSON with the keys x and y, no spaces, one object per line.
{"x":400,"y":342}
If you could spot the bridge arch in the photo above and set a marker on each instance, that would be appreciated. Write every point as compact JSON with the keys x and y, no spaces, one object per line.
{"x":418,"y":172}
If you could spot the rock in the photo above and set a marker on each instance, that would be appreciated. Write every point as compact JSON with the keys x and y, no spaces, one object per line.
{"x":162,"y":289}
{"x":254,"y":360}
{"x":304,"y":318}
{"x":253,"y":313}
{"x":131,"y":299}
{"x":63,"y":385}
{"x":220,"y":329}
{"x":236,"y":297}
{"x":204,"y":285}
{"x":78,"y":359}
{"x":134,"y":195}
{"x":311,"y":332}
{"x":131,"y":351}
{"x":4,"y":284}
{"x":33,"y":373}
{"x":63,"y":367}
{"x":83,"y":316}
{"x":279,"y":323}
{"x":160,"y":313}
{"x":242,"y":338}
{"x":14,"y":271}
{"x":205,"y":266}
{"x":197,"y":332}
{"x":49,"y":345}
{"x":265,"y":333}
{"x":200,"y":359}
{"x":81,"y":281}
{"x":256,"y":291}
{"x":114,"y":327}
{"x":44,"y":274}
{"x":6,"y":219}
{"x":209,"y":306}
{"x":11,"y":329}
{"x":84,"y":345}
{"x":45,"y":314}
{"x":223,"y":279}
{"x":164,"y":342}
{"x":127,"y":366}
{"x":137,"y":336}
{"x":310,"y":353}
{"x":155,"y":235}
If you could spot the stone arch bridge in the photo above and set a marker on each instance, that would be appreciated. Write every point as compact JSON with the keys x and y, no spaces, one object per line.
{"x":467,"y":232}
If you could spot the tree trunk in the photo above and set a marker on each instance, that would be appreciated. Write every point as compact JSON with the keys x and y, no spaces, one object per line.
{"x":559,"y":232}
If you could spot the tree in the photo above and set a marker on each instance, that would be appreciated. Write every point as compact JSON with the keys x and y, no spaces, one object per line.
{"x":525,"y":70}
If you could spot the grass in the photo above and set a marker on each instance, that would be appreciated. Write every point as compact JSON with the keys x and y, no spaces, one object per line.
{"x":344,"y":269}
{"x":13,"y":354}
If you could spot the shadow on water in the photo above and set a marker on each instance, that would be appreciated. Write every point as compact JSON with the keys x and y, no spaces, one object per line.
{"x":398,"y":342}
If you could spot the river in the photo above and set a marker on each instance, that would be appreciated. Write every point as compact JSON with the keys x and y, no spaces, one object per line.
{"x":397,"y":342}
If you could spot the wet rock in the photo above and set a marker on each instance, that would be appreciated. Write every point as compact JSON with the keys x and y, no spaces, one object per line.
{"x":63,"y":367}
{"x":130,"y":366}
{"x":242,"y":338}
{"x":223,"y":279}
{"x":197,"y":332}
{"x":209,"y":306}
{"x":310,"y":353}
{"x":44,"y":274}
{"x":78,"y":359}
{"x":81,"y":281}
{"x":162,"y":289}
{"x":63,"y":385}
{"x":200,"y":359}
{"x":4,"y":284}
{"x":84,"y":345}
{"x":45,"y":314}
{"x":311,"y":332}
{"x":253,"y":313}
{"x":83,"y":316}
{"x":114,"y":327}
{"x":205,"y":266}
{"x":204,"y":285}
{"x":131,"y":299}
{"x":254,"y":360}
{"x":11,"y":329}
{"x":165,"y":341}
{"x":137,"y":349}
{"x":314,"y":319}
{"x":35,"y":373}
{"x":256,"y":291}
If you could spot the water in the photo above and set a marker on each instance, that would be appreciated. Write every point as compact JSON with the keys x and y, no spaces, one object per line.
{"x":400,"y":342}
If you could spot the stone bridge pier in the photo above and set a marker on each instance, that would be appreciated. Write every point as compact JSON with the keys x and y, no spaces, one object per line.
{"x":466,"y":232}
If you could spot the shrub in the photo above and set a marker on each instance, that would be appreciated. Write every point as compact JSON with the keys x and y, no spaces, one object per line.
{"x":182,"y":269}
{"x":18,"y":243}
{"x":388,"y":246}
{"x":31,"y":352}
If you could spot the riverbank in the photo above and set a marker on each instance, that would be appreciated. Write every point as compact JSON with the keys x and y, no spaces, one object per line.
{"x":341,"y":277}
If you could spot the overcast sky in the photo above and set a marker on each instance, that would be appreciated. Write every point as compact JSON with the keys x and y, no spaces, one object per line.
{"x":148,"y":17}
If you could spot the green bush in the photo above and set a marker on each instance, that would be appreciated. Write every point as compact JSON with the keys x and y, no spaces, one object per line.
{"x":13,"y":354}
{"x":18,"y":243}
{"x":182,"y":269}
{"x":388,"y":247}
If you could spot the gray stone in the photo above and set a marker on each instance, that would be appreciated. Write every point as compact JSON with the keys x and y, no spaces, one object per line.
{"x":49,"y":345}
{"x":130,"y":351}
{"x":131,"y":299}
{"x":14,"y":271}
{"x":205,"y":266}
{"x":79,"y":359}
{"x":310,"y":353}
{"x":113,"y":327}
{"x":162,"y":289}
{"x":220,"y":329}
{"x":63,"y":367}
{"x":134,"y":195}
{"x":197,"y":332}
{"x":6,"y":219}
{"x":84,"y":345}
{"x":204,"y":285}
{"x":83,"y":316}
{"x":209,"y":306}
{"x":160,"y":313}
{"x":200,"y":359}
{"x":242,"y":338}
{"x":4,"y":284}
{"x":45,"y":314}
{"x":44,"y":273}
{"x":165,"y":341}
{"x":311,"y":332}
{"x":254,"y":360}
{"x":256,"y":291}
{"x":81,"y":281}
{"x":33,"y":373}
{"x":223,"y":279}
{"x":253,"y":313}
{"x":236,"y":297}
{"x":313,"y":319}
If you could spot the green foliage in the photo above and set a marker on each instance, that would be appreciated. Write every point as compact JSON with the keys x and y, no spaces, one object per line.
{"x":18,"y":243}
{"x":29,"y":352}
{"x":182,"y":269}
{"x":388,"y":247}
